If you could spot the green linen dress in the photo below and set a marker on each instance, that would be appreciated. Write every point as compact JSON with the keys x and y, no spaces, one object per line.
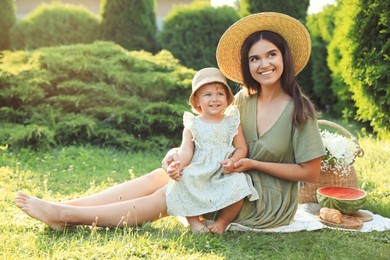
{"x":282,"y":143}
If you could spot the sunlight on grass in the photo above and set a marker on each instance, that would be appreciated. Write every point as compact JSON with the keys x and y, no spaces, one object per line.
{"x":70,"y":172}
{"x":373,"y":171}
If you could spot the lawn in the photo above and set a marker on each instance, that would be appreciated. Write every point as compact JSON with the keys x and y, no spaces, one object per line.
{"x":69,"y":172}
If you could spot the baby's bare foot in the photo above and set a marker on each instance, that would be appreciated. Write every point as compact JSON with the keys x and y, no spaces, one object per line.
{"x":202,"y":229}
{"x":217,"y":228}
{"x":197,"y":226}
{"x":47,"y":212}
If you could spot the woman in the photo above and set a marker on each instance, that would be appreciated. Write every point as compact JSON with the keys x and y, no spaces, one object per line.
{"x":264,"y":52}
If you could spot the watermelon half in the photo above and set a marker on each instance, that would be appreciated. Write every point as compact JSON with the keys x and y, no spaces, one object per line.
{"x":347,"y":200}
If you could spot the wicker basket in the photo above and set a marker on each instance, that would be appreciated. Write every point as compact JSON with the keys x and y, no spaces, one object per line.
{"x":307,"y":193}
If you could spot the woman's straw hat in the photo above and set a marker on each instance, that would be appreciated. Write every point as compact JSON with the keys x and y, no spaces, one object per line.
{"x":292,"y":30}
{"x":206,"y":76}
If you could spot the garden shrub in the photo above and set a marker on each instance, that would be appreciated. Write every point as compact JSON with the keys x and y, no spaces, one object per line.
{"x":192,"y":33}
{"x":7,"y":21}
{"x":96,"y":94}
{"x":31,"y":136}
{"x":337,"y":61}
{"x":55,"y":24}
{"x":129,"y":23}
{"x":294,"y":8}
{"x":321,"y":27}
{"x":359,"y":60}
{"x":369,"y":74}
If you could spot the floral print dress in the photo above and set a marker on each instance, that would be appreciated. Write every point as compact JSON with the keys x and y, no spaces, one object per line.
{"x":203,"y":188}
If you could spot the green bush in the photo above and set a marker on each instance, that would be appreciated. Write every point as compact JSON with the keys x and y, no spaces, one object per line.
{"x":369,"y":74}
{"x":297,"y":9}
{"x":338,"y":60}
{"x":53,"y":25}
{"x":192,"y":33}
{"x":30,"y":135}
{"x":7,"y":21}
{"x":359,"y":60}
{"x":96,"y":94}
{"x":129,"y":23}
{"x":321,"y":27}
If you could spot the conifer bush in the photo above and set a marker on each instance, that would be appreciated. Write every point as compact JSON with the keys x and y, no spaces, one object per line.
{"x":55,"y":24}
{"x":369,"y":77}
{"x":294,"y":8}
{"x":321,"y":27}
{"x":192,"y":33}
{"x":98,"y":94}
{"x":129,"y":23}
{"x":7,"y":21}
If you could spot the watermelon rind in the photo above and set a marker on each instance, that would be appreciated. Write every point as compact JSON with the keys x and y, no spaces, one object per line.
{"x":345,"y":206}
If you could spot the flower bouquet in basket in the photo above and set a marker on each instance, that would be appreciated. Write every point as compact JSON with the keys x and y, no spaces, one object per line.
{"x":340,"y":153}
{"x":337,"y":165}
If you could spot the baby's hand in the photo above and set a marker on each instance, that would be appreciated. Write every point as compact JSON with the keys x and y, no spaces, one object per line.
{"x":174,"y":170}
{"x":227,"y":166}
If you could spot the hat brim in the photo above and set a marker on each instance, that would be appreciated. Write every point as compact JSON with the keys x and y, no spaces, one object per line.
{"x":293,"y":31}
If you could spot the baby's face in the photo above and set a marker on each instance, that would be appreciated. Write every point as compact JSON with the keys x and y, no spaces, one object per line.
{"x":211,"y":98}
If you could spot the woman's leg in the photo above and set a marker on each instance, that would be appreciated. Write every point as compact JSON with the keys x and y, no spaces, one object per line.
{"x":126,"y":212}
{"x":139,"y":187}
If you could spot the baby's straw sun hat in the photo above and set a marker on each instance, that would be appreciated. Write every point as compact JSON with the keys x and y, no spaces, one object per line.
{"x":209,"y":75}
{"x":292,"y":30}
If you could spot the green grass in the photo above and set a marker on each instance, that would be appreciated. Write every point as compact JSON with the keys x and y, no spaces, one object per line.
{"x":70,"y":172}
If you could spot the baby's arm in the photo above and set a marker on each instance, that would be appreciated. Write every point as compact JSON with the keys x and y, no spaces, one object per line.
{"x":186,"y":149}
{"x":183,"y":156}
{"x":240,"y":152}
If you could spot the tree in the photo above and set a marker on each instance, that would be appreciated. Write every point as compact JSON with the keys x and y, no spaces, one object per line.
{"x":130,"y":23}
{"x":7,"y":21}
{"x":321,"y":27}
{"x":294,"y":8}
{"x":366,"y":61}
{"x":55,"y":24}
{"x":192,"y":33}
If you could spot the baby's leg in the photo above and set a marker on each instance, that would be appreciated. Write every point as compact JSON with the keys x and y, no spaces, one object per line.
{"x":139,"y":187}
{"x":225,"y":217}
{"x":130,"y":212}
{"x":197,"y":226}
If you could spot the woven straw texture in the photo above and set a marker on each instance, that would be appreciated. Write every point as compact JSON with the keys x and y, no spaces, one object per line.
{"x":294,"y":32}
{"x":307,"y":193}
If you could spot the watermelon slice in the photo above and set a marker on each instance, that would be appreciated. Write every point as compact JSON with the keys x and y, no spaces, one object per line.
{"x":347,"y":200}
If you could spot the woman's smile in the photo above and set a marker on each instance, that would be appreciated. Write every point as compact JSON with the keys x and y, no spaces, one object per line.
{"x":265,"y":63}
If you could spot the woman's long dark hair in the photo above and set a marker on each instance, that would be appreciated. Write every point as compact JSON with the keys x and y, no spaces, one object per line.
{"x":303,"y":107}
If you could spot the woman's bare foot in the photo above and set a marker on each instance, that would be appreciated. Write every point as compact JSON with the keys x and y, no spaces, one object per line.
{"x":218,"y":227}
{"x":47,"y":212}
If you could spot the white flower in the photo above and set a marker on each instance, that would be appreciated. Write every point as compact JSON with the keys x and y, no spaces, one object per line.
{"x":340,"y":153}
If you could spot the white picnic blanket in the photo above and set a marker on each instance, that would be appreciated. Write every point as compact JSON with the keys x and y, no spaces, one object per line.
{"x":305,"y":219}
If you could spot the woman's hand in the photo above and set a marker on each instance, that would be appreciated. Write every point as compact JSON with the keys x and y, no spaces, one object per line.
{"x":170,"y":157}
{"x":243,"y":165}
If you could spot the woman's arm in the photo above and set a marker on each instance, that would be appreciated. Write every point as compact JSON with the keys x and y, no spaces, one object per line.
{"x":308,"y":171}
